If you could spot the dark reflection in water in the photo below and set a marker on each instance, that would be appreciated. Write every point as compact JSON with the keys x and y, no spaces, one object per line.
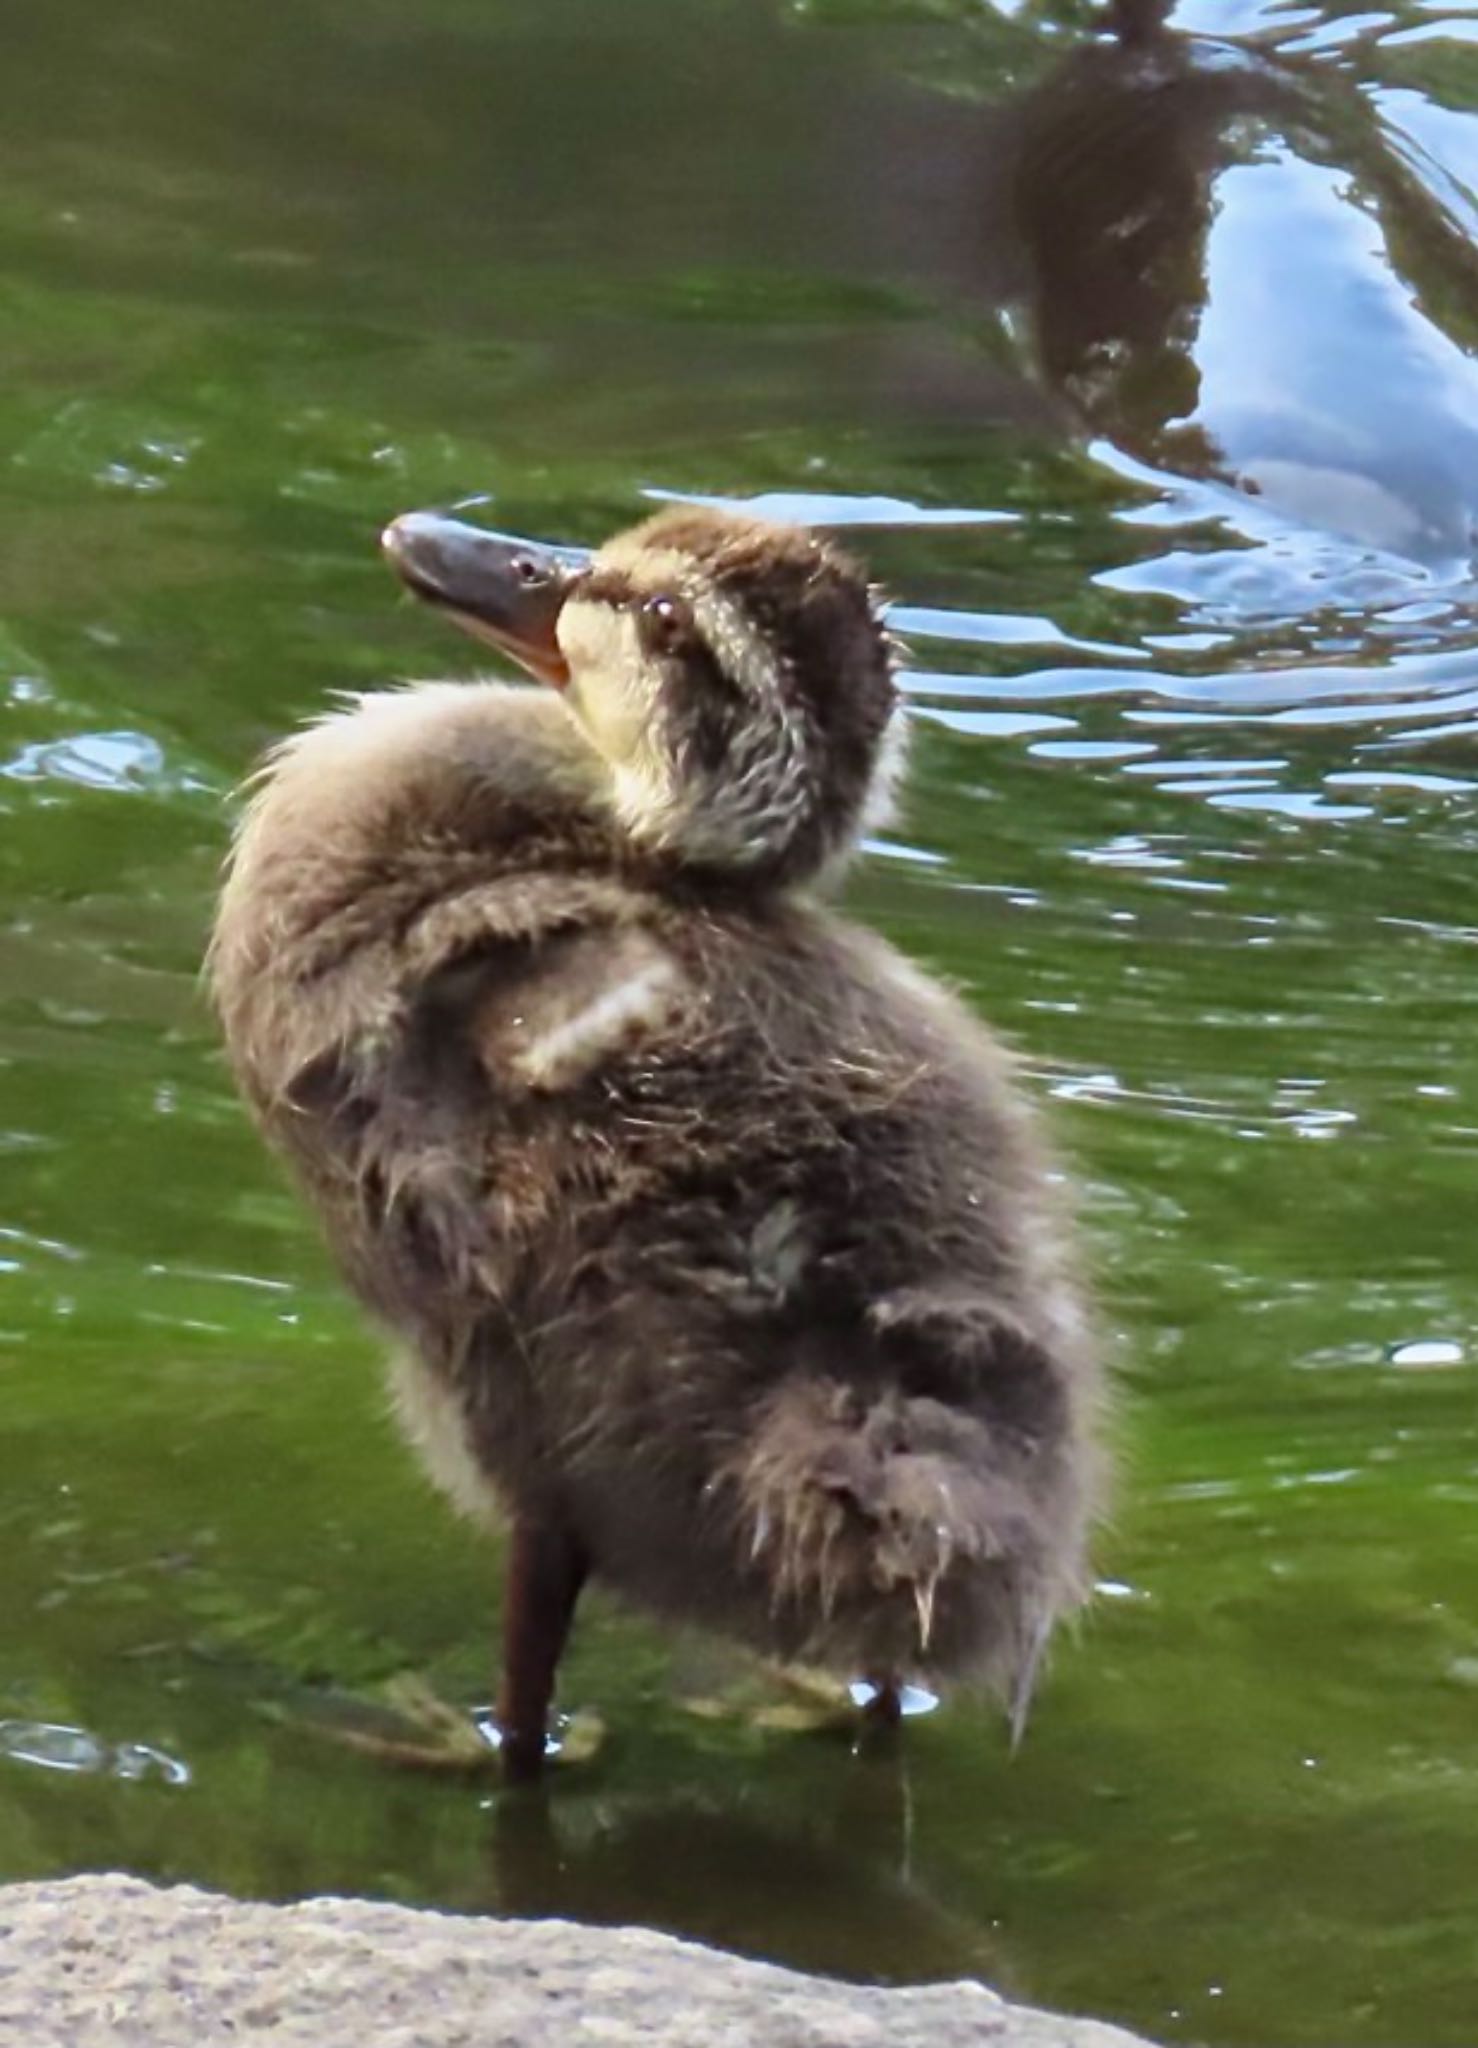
{"x":712,"y":1871}
{"x":1031,"y":310}
{"x":1234,"y":277}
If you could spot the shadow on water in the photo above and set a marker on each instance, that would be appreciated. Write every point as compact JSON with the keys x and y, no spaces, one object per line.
{"x":1142,"y":370}
{"x":624,"y":1858}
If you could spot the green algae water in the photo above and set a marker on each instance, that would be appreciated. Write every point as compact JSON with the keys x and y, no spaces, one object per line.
{"x":1180,"y":547}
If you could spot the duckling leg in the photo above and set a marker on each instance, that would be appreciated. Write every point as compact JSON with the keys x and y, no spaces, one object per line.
{"x":885,"y":1709}
{"x":546,"y":1569}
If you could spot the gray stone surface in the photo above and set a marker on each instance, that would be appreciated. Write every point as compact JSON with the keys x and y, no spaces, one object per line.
{"x":109,"y":1962}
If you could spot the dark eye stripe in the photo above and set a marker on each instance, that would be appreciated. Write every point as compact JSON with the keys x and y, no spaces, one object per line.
{"x":607,"y":586}
{"x":706,"y":728}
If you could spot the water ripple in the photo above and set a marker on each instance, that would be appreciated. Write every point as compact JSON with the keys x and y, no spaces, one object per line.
{"x":54,"y":1746}
{"x":96,"y":760}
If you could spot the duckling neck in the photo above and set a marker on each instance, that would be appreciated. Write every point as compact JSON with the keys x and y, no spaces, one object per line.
{"x":741,"y":819}
{"x":779,"y":818}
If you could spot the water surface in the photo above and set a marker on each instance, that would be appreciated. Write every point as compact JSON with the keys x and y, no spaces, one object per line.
{"x":1181,"y":546}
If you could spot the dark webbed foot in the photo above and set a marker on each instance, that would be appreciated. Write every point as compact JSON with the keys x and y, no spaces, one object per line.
{"x":815,"y":1704}
{"x":407,"y":1724}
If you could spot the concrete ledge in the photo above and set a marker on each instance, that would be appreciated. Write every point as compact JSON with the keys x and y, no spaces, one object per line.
{"x":110,"y":1962}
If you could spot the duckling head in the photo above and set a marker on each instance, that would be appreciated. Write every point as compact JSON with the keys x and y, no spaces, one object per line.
{"x":732,"y":674}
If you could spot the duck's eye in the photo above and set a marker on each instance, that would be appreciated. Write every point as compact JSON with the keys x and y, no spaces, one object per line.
{"x":666,"y":625}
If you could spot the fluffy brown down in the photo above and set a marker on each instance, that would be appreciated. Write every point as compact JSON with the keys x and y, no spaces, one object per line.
{"x":711,"y":1226}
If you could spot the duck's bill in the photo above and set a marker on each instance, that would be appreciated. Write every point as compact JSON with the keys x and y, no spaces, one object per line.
{"x":505,"y":591}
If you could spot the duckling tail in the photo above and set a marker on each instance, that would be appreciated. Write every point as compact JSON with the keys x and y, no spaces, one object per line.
{"x":903,"y":1533}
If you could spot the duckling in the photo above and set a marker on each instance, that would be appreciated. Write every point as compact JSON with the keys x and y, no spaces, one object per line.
{"x":719,"y":1248}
